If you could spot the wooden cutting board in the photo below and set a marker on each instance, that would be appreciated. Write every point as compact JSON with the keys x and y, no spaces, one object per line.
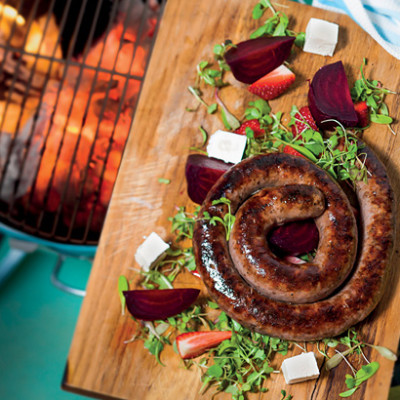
{"x":99,"y":363}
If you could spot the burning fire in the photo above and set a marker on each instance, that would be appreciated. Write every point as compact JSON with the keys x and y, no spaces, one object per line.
{"x":77,"y":133}
{"x":9,"y":15}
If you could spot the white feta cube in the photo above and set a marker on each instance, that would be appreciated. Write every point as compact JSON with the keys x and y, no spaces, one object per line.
{"x":321,"y":37}
{"x":227,"y":146}
{"x":300,"y":368}
{"x":151,"y":250}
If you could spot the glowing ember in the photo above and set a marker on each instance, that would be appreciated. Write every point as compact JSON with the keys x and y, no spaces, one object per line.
{"x":78,"y":133}
{"x":9,"y":15}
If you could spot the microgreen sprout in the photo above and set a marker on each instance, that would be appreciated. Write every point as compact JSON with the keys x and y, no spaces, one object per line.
{"x":339,"y":154}
{"x":342,"y":157}
{"x":204,"y":136}
{"x":353,"y":383}
{"x":219,"y":51}
{"x":227,"y":220}
{"x":285,"y":396}
{"x":123,"y":285}
{"x":163,"y":274}
{"x":197,"y":95}
{"x":183,"y":223}
{"x":229,"y":120}
{"x":276,"y":25}
{"x":211,"y":76}
{"x":373,"y":93}
{"x":241,"y":364}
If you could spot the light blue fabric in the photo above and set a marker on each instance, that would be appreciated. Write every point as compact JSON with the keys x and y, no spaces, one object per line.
{"x":380,"y":18}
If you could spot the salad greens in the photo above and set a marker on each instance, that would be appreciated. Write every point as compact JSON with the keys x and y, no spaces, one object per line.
{"x":353,"y":383}
{"x":243,"y":363}
{"x":373,"y":93}
{"x":277,"y":25}
{"x":338,"y":154}
{"x":227,"y":221}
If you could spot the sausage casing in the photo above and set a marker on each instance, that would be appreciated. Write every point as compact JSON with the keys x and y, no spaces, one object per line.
{"x":349,"y":303}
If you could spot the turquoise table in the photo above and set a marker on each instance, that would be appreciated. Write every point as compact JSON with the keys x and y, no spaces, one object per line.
{"x":37,"y":321}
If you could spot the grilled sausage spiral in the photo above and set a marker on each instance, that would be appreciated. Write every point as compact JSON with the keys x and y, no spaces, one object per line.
{"x":343,"y":283}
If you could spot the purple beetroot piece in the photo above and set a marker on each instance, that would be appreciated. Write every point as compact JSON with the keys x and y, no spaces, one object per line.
{"x":329,"y":97}
{"x":294,"y":238}
{"x":201,"y":174}
{"x":150,"y":305}
{"x":252,"y":59}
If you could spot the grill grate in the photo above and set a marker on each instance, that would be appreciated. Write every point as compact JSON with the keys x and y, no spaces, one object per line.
{"x":66,"y":107}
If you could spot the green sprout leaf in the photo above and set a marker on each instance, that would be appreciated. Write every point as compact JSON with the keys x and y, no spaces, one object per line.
{"x":373,"y":93}
{"x":363,"y":374}
{"x":211,"y":109}
{"x":348,"y":393}
{"x":385,"y":352}
{"x":123,"y":286}
{"x":228,"y":218}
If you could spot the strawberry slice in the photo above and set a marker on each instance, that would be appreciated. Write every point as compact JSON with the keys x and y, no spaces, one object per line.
{"x":290,"y":150}
{"x":254,"y":125}
{"x":196,"y":273}
{"x":304,"y":114}
{"x":192,"y":344}
{"x":294,"y":260}
{"x":273,"y":84}
{"x":362,"y":112}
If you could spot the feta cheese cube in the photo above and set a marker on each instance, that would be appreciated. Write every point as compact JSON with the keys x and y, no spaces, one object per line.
{"x":300,"y":368}
{"x":226,"y":146}
{"x":151,"y":250}
{"x":321,"y":37}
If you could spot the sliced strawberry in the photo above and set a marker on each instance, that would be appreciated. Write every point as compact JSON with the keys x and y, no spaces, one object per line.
{"x":254,"y":125}
{"x":273,"y":84}
{"x":196,"y":273}
{"x":192,"y":344}
{"x":290,"y":150}
{"x":304,"y":114}
{"x":362,"y":112}
{"x":294,"y":260}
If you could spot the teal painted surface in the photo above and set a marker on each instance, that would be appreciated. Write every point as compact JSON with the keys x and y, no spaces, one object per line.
{"x":68,"y":249}
{"x":37,"y":322}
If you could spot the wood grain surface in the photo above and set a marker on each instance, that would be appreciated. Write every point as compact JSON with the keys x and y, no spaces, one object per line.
{"x":99,"y":363}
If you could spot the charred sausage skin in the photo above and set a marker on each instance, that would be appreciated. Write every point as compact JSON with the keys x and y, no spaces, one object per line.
{"x":277,"y":278}
{"x":328,"y":317}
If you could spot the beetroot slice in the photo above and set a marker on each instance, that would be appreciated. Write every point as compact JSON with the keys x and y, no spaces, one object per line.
{"x":150,"y":305}
{"x":329,"y":97}
{"x":201,"y":173}
{"x":252,"y":59}
{"x":294,"y":238}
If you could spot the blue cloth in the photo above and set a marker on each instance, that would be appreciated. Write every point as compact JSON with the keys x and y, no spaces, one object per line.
{"x":379,"y":18}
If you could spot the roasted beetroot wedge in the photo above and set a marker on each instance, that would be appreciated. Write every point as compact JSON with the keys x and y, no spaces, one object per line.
{"x":294,"y":238}
{"x":329,"y":97}
{"x":150,"y":305}
{"x":252,"y":59}
{"x":201,"y":173}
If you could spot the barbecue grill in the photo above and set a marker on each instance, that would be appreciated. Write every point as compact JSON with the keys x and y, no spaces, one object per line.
{"x":70,"y":75}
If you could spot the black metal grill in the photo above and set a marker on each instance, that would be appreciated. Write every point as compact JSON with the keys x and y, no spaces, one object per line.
{"x":57,"y":169}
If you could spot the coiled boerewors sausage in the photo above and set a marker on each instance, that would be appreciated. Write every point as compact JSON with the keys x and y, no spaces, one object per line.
{"x":346,"y":300}
{"x":280,"y":280}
